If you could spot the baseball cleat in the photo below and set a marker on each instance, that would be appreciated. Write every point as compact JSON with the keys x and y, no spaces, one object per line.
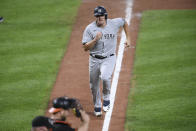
{"x":97,"y":112}
{"x":106,"y":106}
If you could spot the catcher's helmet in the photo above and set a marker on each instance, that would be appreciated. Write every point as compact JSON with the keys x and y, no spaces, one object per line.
{"x":62,"y":102}
{"x":59,"y":104}
{"x":100,"y":11}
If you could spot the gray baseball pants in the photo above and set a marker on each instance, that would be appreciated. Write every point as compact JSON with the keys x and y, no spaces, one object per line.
{"x":101,"y":69}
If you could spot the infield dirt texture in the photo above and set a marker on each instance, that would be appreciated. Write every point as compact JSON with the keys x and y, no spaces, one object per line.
{"x":73,"y":80}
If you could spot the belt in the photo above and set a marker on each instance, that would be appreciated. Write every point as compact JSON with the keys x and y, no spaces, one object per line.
{"x":100,"y":57}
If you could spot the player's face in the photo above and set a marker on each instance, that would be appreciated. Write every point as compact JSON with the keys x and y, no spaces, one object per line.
{"x":101,"y":21}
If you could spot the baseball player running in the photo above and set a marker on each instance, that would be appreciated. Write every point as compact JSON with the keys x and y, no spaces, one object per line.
{"x":100,"y":39}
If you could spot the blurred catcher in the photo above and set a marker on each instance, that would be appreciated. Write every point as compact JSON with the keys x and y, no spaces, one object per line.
{"x":61,"y":109}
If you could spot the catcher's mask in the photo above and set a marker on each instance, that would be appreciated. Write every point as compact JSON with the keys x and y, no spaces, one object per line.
{"x":59,"y":104}
{"x":100,"y":11}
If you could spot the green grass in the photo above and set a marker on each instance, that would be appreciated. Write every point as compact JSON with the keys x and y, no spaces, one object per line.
{"x":164,"y":94}
{"x":33,"y":40}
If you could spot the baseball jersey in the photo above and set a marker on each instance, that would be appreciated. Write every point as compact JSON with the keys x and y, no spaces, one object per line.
{"x":62,"y":126}
{"x":107,"y":44}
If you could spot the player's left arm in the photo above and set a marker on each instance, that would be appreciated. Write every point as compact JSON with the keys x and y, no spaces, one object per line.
{"x":127,"y":33}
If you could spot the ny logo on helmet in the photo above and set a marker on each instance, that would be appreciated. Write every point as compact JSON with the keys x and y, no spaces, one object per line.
{"x":99,"y":10}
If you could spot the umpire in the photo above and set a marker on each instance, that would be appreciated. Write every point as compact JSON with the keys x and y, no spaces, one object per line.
{"x":61,"y":109}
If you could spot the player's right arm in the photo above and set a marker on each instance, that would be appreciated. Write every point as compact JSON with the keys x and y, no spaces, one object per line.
{"x":89,"y":45}
{"x":89,"y":40}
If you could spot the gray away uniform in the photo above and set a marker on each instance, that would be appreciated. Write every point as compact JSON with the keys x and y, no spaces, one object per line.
{"x":102,"y":68}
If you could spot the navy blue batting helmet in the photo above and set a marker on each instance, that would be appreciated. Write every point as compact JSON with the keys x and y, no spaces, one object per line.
{"x":100,"y":11}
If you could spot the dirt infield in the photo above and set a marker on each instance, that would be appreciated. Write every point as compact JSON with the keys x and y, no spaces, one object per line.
{"x":73,"y":80}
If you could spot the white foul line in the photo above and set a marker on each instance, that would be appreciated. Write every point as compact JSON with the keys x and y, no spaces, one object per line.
{"x":108,"y":115}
